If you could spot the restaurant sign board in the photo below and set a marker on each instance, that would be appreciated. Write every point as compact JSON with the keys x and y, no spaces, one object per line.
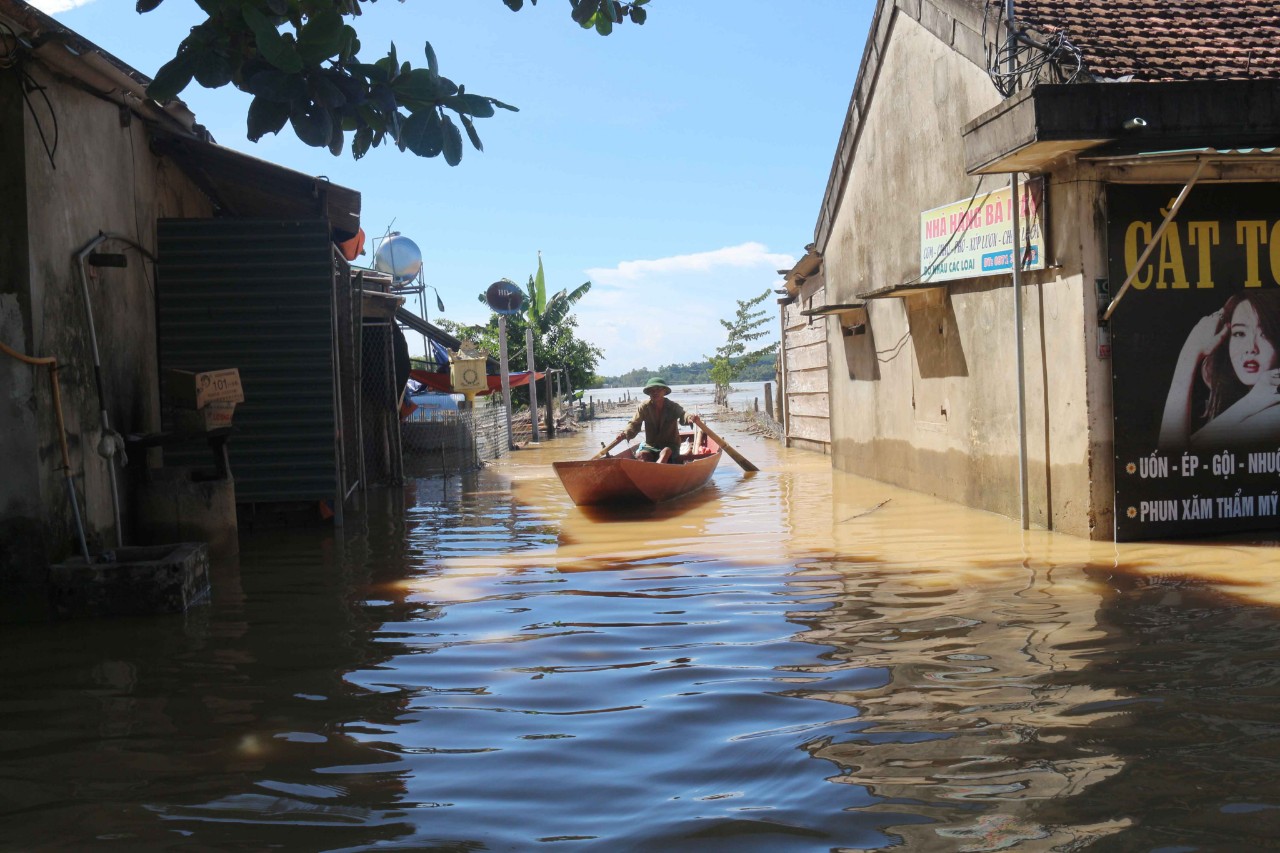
{"x":974,"y":237}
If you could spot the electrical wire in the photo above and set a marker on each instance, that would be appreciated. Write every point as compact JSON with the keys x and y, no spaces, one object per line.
{"x":1055,"y":59}
{"x":12,"y":58}
{"x":896,"y":349}
{"x":9,"y":58}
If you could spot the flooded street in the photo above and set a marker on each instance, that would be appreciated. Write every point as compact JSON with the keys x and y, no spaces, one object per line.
{"x":796,"y":659}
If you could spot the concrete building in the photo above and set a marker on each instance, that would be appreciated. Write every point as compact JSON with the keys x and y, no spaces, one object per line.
{"x":90,"y":171}
{"x":1141,"y":136}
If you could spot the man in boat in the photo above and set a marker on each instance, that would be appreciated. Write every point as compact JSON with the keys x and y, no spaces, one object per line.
{"x":661,"y":419}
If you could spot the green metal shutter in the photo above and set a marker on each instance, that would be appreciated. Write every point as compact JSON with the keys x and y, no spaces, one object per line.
{"x":257,"y":295}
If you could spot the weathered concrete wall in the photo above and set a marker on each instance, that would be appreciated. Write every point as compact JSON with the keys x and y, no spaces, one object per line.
{"x":22,"y":534}
{"x":102,"y":177}
{"x":927,"y":399}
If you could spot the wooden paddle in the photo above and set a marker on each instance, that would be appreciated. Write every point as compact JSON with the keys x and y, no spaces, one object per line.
{"x":742,"y":461}
{"x":604,"y":451}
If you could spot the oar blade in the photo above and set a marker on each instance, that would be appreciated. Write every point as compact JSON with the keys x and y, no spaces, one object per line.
{"x":743,"y":462}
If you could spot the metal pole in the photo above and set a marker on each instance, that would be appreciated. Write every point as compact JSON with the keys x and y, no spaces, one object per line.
{"x":506,"y":378}
{"x":533,"y":385}
{"x":1020,"y":358}
{"x":107,"y":443}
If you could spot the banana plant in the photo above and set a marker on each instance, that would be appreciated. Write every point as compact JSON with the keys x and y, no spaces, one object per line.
{"x":544,"y":314}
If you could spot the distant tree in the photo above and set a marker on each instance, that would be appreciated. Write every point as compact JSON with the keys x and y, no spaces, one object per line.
{"x":689,"y":373}
{"x":732,"y":357}
{"x":311,"y":77}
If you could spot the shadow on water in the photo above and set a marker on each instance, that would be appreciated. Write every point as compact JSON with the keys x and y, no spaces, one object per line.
{"x":660,"y":512}
{"x":1009,"y":719}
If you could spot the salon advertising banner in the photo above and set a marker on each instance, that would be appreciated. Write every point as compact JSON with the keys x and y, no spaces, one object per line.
{"x":1196,"y":377}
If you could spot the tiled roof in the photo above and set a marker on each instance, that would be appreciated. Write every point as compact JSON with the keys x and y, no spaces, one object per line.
{"x":1165,"y":39}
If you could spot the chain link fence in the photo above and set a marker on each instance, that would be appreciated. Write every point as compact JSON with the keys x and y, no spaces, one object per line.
{"x":447,"y":441}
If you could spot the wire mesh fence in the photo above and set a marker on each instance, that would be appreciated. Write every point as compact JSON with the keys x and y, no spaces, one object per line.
{"x":380,"y":438}
{"x":448,"y":441}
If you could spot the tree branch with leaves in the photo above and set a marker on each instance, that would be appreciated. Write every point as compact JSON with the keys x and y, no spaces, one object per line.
{"x":300,"y":60}
{"x":732,"y":357}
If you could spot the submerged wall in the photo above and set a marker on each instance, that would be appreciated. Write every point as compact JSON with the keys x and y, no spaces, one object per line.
{"x":101,"y":177}
{"x":927,"y":398}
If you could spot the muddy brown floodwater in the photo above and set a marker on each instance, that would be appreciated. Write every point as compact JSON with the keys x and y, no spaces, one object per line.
{"x":793,"y":660}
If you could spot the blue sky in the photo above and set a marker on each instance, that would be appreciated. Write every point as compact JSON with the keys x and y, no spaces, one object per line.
{"x":677,"y":165}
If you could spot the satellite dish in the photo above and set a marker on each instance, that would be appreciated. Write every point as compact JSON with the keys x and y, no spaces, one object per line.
{"x":398,"y":256}
{"x":504,"y":297}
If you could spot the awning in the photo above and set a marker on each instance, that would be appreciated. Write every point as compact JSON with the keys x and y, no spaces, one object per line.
{"x":240,"y":185}
{"x":441,"y":382}
{"x":1029,"y":131}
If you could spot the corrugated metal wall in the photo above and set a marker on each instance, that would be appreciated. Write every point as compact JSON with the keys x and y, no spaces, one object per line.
{"x":257,"y":295}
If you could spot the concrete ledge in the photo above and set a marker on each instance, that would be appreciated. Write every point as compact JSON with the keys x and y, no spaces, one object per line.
{"x":138,"y":581}
{"x":1035,"y":127}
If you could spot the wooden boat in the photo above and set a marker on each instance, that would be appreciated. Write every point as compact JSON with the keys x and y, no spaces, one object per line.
{"x":623,"y":479}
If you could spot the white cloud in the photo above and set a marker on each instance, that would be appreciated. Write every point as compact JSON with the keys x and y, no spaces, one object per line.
{"x":650,"y":313}
{"x":53,"y":7}
{"x":745,"y":256}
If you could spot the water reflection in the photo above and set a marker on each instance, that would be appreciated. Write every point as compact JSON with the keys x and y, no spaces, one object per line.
{"x":795,"y":660}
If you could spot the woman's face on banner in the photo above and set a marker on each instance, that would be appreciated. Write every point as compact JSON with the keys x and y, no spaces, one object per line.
{"x":1252,"y":355}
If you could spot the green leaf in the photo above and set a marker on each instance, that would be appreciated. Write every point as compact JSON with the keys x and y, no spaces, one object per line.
{"x":452,"y":141}
{"x":353,"y":90}
{"x":584,"y":10}
{"x":273,"y":47}
{"x":446,"y":86}
{"x":276,"y":85}
{"x":312,"y":124}
{"x":373,"y":73}
{"x":540,"y":287}
{"x":609,"y":10}
{"x":322,"y":36}
{"x":266,"y":116}
{"x":423,"y":134}
{"x":383,"y":97}
{"x":638,"y":15}
{"x":323,"y":91}
{"x":501,"y":105}
{"x":514,"y":6}
{"x":350,"y":44}
{"x":147,"y":5}
{"x":433,"y":65}
{"x":471,"y":132}
{"x":372,"y":117}
{"x":474,"y":105}
{"x":336,"y":136}
{"x":604,"y":26}
{"x":420,"y":84}
{"x":172,"y":77}
{"x":212,"y":69}
{"x":361,"y":142}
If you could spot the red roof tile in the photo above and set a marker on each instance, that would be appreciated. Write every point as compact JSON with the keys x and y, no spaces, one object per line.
{"x":1165,"y":39}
